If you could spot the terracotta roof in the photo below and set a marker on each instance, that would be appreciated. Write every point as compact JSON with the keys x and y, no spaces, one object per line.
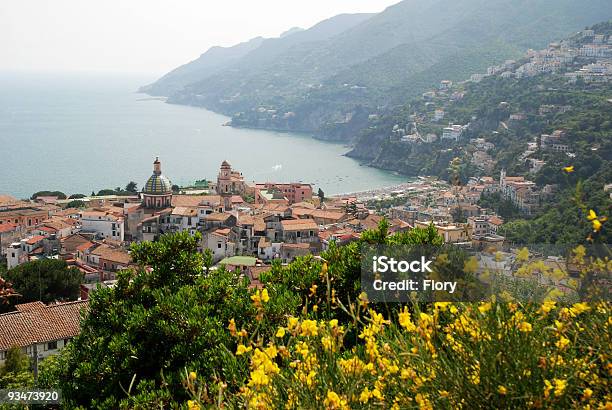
{"x":221,"y":232}
{"x":84,"y":246}
{"x":185,"y":211}
{"x":295,"y":246}
{"x":7,"y":227}
{"x":114,"y":255}
{"x":299,"y":224}
{"x":36,"y":322}
{"x":35,"y":239}
{"x":496,"y":220}
{"x":195,"y":200}
{"x":216,"y":216}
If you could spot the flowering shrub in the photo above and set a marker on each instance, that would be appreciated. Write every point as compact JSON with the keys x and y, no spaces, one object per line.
{"x":447,"y":356}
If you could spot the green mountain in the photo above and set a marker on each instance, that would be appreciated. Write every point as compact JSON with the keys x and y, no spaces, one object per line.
{"x":330,"y":85}
{"x":256,"y":51}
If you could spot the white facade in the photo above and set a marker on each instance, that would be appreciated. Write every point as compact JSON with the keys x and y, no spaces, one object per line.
{"x":106,"y":225}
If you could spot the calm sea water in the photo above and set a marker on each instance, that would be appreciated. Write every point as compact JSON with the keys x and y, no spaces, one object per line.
{"x":79,"y":133}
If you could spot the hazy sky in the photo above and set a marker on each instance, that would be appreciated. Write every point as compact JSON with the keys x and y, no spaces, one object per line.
{"x":146,"y":36}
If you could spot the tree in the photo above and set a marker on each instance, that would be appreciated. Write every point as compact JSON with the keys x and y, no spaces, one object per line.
{"x":152,"y":325}
{"x":76,"y":204}
{"x":47,"y":280}
{"x":58,"y":194}
{"x":321,"y":194}
{"x":15,"y":371}
{"x":132,"y":187}
{"x":76,"y":196}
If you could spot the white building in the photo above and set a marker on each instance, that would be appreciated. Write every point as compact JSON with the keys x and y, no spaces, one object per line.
{"x":453,"y":132}
{"x":40,"y":330}
{"x":104,"y":224}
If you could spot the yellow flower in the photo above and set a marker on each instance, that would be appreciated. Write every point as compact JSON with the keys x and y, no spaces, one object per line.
{"x":547,"y":306}
{"x":313,"y":290}
{"x":264,"y":296}
{"x":192,"y":376}
{"x":365,"y":395}
{"x":292,"y":322}
{"x":562,"y":342}
{"x":232,"y":327}
{"x":280,"y":332}
{"x":525,"y":327}
{"x":327,"y":343}
{"x":592,"y":215}
{"x":242,"y":349}
{"x":333,"y":401}
{"x":259,"y":377}
{"x":569,"y":169}
{"x":193,"y":405}
{"x":443,"y":393}
{"x":560,"y":386}
{"x":441,"y":305}
{"x":309,"y":328}
{"x":502,"y":390}
{"x":596,"y":225}
{"x":315,"y":308}
{"x":485,"y":307}
{"x":586,"y":395}
{"x":404,"y":320}
{"x":578,"y":308}
{"x":333,"y":323}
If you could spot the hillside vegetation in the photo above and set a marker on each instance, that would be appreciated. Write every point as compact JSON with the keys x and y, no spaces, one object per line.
{"x":380,"y":61}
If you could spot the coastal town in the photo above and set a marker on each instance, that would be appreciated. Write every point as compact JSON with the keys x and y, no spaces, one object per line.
{"x":247,"y":225}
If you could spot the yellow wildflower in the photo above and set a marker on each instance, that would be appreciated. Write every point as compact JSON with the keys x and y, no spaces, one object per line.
{"x":280,"y":332}
{"x":333,"y":323}
{"x":592,"y":215}
{"x":309,"y":328}
{"x":242,"y":349}
{"x":569,"y":169}
{"x":596,"y":225}
{"x":404,"y":320}
{"x":525,"y":327}
{"x":578,"y":308}
{"x":547,"y":306}
{"x":484,"y":307}
{"x":365,"y":395}
{"x":327,"y":343}
{"x":562,"y":342}
{"x":560,"y":386}
{"x":259,"y":377}
{"x":502,"y":390}
{"x":587,"y":393}
{"x":232,"y":327}
{"x":192,"y":376}
{"x":264,"y":296}
{"x":193,"y":405}
{"x":441,"y":305}
{"x":292,"y":322}
{"x":333,"y":401}
{"x":313,"y":290}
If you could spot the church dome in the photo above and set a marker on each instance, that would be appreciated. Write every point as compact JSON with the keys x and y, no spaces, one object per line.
{"x":157,"y":184}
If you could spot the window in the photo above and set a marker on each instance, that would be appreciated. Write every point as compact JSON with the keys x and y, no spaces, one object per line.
{"x":219,"y":245}
{"x":52,"y":345}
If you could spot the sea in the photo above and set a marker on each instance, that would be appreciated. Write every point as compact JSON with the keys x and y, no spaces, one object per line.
{"x":83,"y":132}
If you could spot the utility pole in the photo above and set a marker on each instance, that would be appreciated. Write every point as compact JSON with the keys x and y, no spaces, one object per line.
{"x":35,"y":352}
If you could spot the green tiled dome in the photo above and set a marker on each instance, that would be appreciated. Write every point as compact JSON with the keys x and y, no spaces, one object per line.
{"x":158,"y":185}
